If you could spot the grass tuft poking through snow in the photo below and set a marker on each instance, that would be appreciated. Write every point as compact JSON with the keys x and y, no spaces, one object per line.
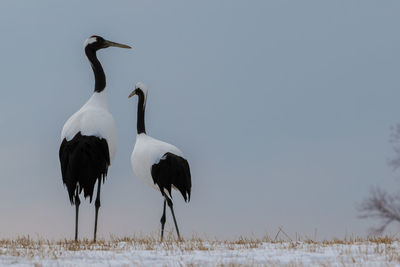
{"x":243,"y":251}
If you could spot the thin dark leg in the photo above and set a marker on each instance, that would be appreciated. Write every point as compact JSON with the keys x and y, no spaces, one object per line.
{"x":173,"y":216}
{"x":97,"y":205}
{"x":163,"y":221}
{"x":77,"y":203}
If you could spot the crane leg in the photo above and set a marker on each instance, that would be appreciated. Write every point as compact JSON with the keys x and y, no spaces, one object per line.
{"x":163,"y":221}
{"x":77,"y":203}
{"x":97,"y":205}
{"x":173,"y":216}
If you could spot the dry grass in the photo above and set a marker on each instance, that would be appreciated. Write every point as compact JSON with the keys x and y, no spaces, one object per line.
{"x":151,"y":242}
{"x":355,"y":248}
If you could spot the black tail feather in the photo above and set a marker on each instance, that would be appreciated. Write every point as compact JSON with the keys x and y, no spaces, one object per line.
{"x":173,"y":170}
{"x":84,"y":160}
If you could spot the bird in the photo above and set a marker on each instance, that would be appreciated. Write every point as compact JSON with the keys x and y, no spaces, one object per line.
{"x":159,"y":164}
{"x":88,"y":138}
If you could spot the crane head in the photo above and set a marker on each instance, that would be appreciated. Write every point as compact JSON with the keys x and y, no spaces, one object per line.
{"x":95,"y":43}
{"x":140,"y":88}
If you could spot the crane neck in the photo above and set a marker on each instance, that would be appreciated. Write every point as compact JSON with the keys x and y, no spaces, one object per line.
{"x":98,"y":100}
{"x":99,"y":76}
{"x":140,"y":113}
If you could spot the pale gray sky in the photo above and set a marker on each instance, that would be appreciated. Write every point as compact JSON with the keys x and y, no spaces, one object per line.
{"x":283,"y":109}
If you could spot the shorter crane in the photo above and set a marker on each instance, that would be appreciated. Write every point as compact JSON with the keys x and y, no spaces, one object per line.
{"x":159,"y":164}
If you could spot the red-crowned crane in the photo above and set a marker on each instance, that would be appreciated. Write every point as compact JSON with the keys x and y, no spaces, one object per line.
{"x":89,"y":140}
{"x":159,"y":164}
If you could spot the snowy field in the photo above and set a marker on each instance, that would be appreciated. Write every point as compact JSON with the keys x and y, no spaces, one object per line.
{"x":197,"y":252}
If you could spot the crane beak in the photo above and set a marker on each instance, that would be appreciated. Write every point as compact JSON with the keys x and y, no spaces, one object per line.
{"x":133,"y":93}
{"x":109,"y":43}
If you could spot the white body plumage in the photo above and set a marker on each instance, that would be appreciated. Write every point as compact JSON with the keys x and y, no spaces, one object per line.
{"x":93,"y":119}
{"x":147,"y":152}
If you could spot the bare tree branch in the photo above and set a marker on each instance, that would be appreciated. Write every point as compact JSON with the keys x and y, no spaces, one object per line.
{"x":379,"y":204}
{"x":395,"y":141}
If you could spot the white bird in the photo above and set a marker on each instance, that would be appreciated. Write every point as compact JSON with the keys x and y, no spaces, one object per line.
{"x":89,"y":140}
{"x":159,"y":164}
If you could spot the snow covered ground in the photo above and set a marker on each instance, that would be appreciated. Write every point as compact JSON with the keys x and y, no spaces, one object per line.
{"x":131,"y":252}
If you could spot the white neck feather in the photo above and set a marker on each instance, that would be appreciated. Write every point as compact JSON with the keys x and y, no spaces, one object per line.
{"x":98,"y":100}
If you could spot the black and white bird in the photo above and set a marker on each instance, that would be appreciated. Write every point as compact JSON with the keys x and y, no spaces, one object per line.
{"x":89,"y":140}
{"x":159,"y":164}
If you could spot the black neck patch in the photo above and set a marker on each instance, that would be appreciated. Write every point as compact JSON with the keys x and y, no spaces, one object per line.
{"x":140,"y":112}
{"x":99,"y":76}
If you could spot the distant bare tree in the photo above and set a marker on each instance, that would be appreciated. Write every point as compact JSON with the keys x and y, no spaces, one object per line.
{"x":380,"y":204}
{"x":395,"y":140}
